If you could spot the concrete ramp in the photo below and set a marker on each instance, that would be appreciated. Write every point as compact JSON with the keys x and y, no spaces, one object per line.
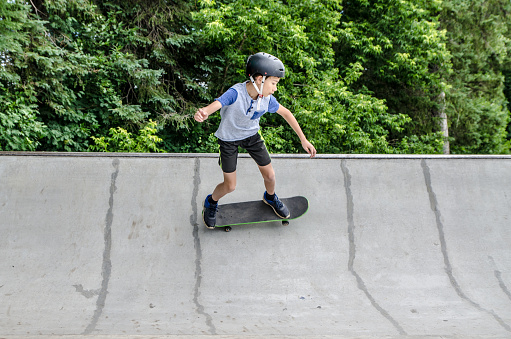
{"x":392,"y":247}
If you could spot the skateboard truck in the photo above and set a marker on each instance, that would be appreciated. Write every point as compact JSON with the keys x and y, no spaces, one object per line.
{"x":229,"y":228}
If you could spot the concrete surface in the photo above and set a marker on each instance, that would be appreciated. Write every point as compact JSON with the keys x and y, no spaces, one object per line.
{"x":113,"y":246}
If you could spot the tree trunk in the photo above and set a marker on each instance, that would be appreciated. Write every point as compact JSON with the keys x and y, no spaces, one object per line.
{"x":443,"y":123}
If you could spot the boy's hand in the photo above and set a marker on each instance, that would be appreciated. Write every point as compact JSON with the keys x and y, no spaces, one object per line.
{"x":200,"y":115}
{"x":204,"y":112}
{"x":309,"y":148}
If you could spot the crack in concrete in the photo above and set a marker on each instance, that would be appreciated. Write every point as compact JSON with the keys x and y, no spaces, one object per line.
{"x":502,"y":285}
{"x":86,"y":293}
{"x":352,"y":250}
{"x":498,"y":275}
{"x":198,"y":250}
{"x":443,"y":244}
{"x":106,"y":267}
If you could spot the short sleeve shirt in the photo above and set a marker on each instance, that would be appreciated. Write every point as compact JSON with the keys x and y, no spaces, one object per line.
{"x":240,"y":117}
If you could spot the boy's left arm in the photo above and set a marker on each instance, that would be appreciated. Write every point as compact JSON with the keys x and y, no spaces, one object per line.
{"x":291,"y":120}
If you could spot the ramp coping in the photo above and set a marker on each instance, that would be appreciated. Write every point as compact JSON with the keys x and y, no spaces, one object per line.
{"x":245,"y":155}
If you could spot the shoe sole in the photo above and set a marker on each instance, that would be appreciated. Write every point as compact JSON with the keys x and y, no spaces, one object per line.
{"x":274,"y":210}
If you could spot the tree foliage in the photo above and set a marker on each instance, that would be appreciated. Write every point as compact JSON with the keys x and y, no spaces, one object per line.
{"x":79,"y":72}
{"x":20,"y":128}
{"x":362,"y":76}
{"x":303,"y":34}
{"x":479,"y":40}
{"x":402,"y":56}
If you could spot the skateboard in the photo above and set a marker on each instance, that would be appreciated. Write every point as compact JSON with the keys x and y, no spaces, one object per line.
{"x":254,"y":212}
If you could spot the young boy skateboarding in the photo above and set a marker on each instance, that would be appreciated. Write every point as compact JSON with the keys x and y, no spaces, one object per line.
{"x":241,"y":107}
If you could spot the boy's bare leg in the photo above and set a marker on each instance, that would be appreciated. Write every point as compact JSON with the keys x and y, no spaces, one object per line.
{"x":269,"y":178}
{"x":225,"y":187}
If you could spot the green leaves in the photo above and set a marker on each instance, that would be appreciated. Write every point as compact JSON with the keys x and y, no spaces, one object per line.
{"x":79,"y":75}
{"x":120,"y":140}
{"x":362,"y":76}
{"x":19,"y":128}
{"x":337,"y":120}
{"x":309,"y":36}
{"x":480,"y":42}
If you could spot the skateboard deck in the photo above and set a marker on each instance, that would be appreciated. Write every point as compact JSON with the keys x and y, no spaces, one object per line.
{"x":253,"y":212}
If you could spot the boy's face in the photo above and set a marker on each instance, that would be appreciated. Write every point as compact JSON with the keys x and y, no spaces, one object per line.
{"x":270,"y":84}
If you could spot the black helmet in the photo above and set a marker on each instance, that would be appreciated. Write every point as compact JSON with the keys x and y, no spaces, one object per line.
{"x":265,"y":64}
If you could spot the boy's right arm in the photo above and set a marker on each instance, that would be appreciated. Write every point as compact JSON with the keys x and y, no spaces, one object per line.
{"x":203,"y":113}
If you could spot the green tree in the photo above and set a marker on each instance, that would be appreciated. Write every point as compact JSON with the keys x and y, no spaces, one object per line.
{"x":401,"y":56}
{"x":19,"y":127}
{"x":302,"y":35}
{"x":120,"y":140}
{"x":163,"y":39}
{"x":84,"y":70}
{"x":479,"y":41}
{"x":362,"y":76}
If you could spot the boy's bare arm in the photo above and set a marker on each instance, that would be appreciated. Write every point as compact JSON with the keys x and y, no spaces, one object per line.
{"x":291,"y":120}
{"x":204,"y":112}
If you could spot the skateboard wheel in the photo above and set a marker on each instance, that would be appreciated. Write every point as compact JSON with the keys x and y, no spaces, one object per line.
{"x":285,"y":222}
{"x":227,"y":229}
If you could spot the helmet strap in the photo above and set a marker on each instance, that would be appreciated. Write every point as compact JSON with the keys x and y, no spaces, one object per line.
{"x":259,"y":91}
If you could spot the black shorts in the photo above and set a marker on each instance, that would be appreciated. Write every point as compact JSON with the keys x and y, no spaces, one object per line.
{"x":255,"y":147}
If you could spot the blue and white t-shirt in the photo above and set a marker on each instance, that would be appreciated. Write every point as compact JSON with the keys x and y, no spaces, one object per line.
{"x":240,"y":119}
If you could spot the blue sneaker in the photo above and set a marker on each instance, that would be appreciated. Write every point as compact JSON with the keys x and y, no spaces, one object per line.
{"x":209,"y":213}
{"x":277,"y":205}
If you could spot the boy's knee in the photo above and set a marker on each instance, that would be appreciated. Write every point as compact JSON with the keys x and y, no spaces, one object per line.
{"x":269,"y":177}
{"x":230,"y":186}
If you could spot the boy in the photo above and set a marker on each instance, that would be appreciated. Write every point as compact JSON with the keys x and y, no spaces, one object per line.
{"x":241,"y":107}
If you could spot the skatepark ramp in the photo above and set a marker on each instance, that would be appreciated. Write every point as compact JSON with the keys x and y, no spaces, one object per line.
{"x":113,"y":245}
